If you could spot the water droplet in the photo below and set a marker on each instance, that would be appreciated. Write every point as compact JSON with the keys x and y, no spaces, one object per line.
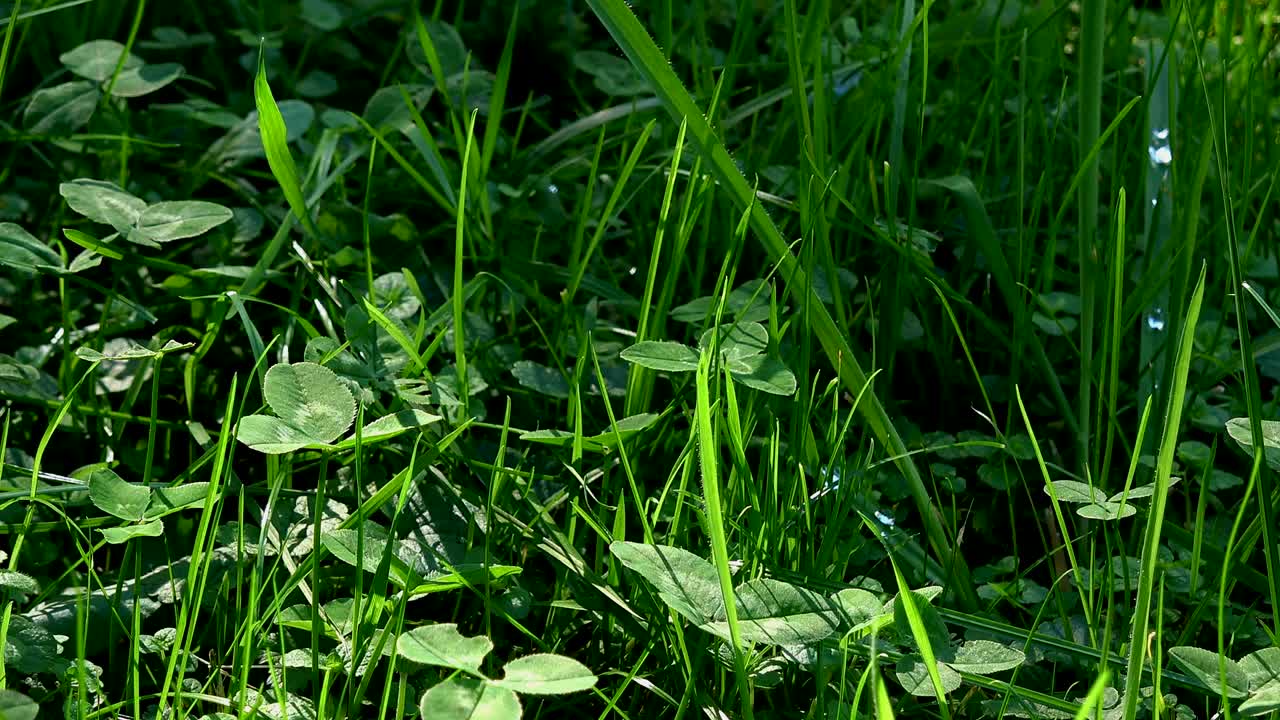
{"x":1155,"y":319}
{"x":1159,"y":151}
{"x":632,"y":271}
{"x":553,"y":188}
{"x":884,"y":518}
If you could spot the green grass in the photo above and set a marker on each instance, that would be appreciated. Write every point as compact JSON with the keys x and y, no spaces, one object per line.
{"x":731,"y":358}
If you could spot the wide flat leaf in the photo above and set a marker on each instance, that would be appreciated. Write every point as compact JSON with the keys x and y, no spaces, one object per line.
{"x":16,"y":706}
{"x":444,"y":646}
{"x":1073,"y":491}
{"x":546,"y":674}
{"x":662,"y":355}
{"x":311,"y":398}
{"x":97,"y":59}
{"x":271,"y":435}
{"x":766,"y":374}
{"x":183,"y":497}
{"x":62,"y":109}
{"x":983,"y":657}
{"x":464,"y":698}
{"x":103,"y":202}
{"x":139,"y":81}
{"x":387,"y":108}
{"x":112,"y":495}
{"x":29,"y":648}
{"x":1262,"y":701}
{"x":541,"y":379}
{"x":396,"y":423}
{"x":125,"y":533}
{"x":168,"y":221}
{"x":858,"y":608}
{"x":1238,"y":429}
{"x":773,"y":612}
{"x":1262,"y":667}
{"x":1106,"y":511}
{"x":914,"y":677}
{"x":1203,"y":666}
{"x":738,"y":341}
{"x":684,"y":581}
{"x":21,"y":251}
{"x":935,"y":628}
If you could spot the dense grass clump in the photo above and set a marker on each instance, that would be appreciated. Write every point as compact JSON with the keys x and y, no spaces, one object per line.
{"x":728,"y":359}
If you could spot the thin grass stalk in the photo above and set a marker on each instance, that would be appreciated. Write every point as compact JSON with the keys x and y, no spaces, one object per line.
{"x":1093,"y":32}
{"x":1155,"y":516}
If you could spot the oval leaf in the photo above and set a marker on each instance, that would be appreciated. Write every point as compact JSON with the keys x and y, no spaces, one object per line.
{"x":1238,"y":429}
{"x":146,"y":79}
{"x":766,"y":374}
{"x":111,"y":494}
{"x":1203,"y":666}
{"x":97,"y":59}
{"x":546,"y":674}
{"x":62,"y":109}
{"x":166,"y":221}
{"x":1076,"y":492}
{"x":1106,"y":511}
{"x":464,"y":697}
{"x":983,"y":657}
{"x":310,"y":398}
{"x":773,"y":612}
{"x":684,"y":581}
{"x":121,"y":535}
{"x":738,"y":341}
{"x":662,"y":355}
{"x":20,"y":250}
{"x":444,"y":646}
{"x":271,"y":435}
{"x":914,"y":677}
{"x":103,"y":202}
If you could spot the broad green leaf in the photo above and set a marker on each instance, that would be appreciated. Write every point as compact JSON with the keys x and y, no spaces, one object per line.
{"x":914,"y":677}
{"x":14,"y":580}
{"x":1106,"y":511}
{"x":738,"y":341}
{"x":766,"y":374}
{"x":1141,"y":491}
{"x":546,"y":674}
{"x":984,"y":657}
{"x":662,"y":355}
{"x":168,"y":221}
{"x":387,"y":108}
{"x":444,"y":646}
{"x":244,"y":140}
{"x":103,"y":202}
{"x":126,"y":350}
{"x":1238,"y":429}
{"x":271,"y":435}
{"x":396,"y":423}
{"x":310,"y":398}
{"x":172,"y":499}
{"x":318,"y":84}
{"x":1262,"y":667}
{"x":21,"y":251}
{"x":541,"y":379}
{"x":97,"y":59}
{"x":773,"y":612}
{"x":29,"y":648}
{"x":1076,"y":492}
{"x":112,"y":495}
{"x":125,"y":533}
{"x":1262,"y":701}
{"x":16,"y":706}
{"x":344,"y":543}
{"x":467,"y":698}
{"x":613,"y":75}
{"x":858,"y":608}
{"x":62,"y":109}
{"x":935,"y":628}
{"x":1203,"y":666}
{"x":139,"y":81}
{"x":683,"y":580}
